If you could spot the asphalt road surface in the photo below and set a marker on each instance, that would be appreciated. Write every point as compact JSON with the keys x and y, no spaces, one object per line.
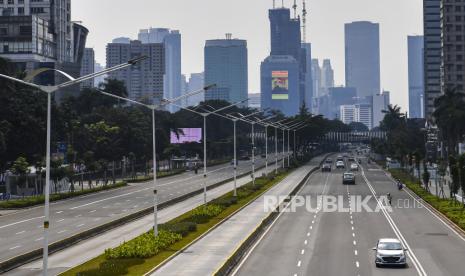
{"x":315,"y":242}
{"x":21,"y":232}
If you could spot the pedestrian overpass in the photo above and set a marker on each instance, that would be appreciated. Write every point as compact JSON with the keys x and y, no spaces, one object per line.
{"x":355,"y":137}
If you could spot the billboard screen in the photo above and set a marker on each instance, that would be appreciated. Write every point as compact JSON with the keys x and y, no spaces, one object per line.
{"x":187,"y":135}
{"x":280,"y":85}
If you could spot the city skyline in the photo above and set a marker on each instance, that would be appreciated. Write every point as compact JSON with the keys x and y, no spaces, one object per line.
{"x":321,"y":32}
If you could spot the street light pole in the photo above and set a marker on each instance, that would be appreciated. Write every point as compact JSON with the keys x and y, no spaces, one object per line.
{"x":47,"y":186}
{"x":288,"y":150}
{"x":235,"y":159}
{"x":154,"y":163}
{"x":284,"y":157}
{"x":253,"y":154}
{"x":276,"y":149}
{"x":266,"y":149}
{"x":205,"y":158}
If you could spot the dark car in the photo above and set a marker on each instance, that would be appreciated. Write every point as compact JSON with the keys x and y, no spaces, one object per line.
{"x":348,"y":178}
{"x":326,"y":167}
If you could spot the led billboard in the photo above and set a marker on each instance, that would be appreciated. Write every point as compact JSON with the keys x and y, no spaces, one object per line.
{"x":280,"y":85}
{"x":187,"y":135}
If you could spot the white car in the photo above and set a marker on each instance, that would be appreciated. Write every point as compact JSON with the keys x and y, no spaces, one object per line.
{"x":354,"y":167}
{"x":390,"y":252}
{"x":340,"y":165}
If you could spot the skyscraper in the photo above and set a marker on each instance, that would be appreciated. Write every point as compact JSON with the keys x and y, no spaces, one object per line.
{"x":327,"y":76}
{"x":40,"y":34}
{"x":453,"y":45}
{"x":196,"y":82}
{"x":88,"y":67}
{"x":362,"y":57}
{"x":144,"y":80}
{"x":283,"y":73}
{"x":416,"y":76}
{"x":171,"y":39}
{"x":316,"y":73}
{"x":432,"y":53}
{"x":308,"y":79}
{"x":226,"y":65}
{"x":363,"y":114}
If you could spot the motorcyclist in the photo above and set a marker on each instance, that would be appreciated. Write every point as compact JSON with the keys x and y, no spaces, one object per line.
{"x":389,"y":197}
{"x":399,"y":184}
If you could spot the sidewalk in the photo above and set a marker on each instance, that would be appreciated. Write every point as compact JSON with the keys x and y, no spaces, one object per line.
{"x":208,"y":254}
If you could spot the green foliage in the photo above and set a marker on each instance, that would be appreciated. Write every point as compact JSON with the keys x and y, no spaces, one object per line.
{"x":182,"y":228}
{"x":20,"y":166}
{"x":203,"y":214}
{"x":144,"y":246}
{"x":37,"y":200}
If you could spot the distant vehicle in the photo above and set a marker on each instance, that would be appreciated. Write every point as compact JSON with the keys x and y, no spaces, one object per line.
{"x":326,"y":167}
{"x":340,"y":158}
{"x":390,"y":252}
{"x":360,"y":161}
{"x":340,"y":165}
{"x":351,"y":159}
{"x":348,"y":178}
{"x":329,"y":161}
{"x":354,"y":167}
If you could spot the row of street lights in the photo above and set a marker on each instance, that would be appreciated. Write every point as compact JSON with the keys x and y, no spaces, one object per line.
{"x":289,"y":126}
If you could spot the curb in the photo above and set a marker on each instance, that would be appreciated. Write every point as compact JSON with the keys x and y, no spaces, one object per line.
{"x":67,"y":242}
{"x":242,"y":249}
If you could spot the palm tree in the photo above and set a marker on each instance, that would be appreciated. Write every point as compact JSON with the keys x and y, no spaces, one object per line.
{"x":450,"y":117}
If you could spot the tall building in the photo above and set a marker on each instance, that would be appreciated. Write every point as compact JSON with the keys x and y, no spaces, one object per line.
{"x":99,"y":80}
{"x":171,"y":39}
{"x":196,"y":82}
{"x":40,"y":34}
{"x":308,"y":79}
{"x":284,"y":72}
{"x":379,"y":103}
{"x":362,"y":57}
{"x":453,"y":45}
{"x":432,"y":53}
{"x":280,"y":84}
{"x":316,"y":73}
{"x":363,"y":114}
{"x":415,"y":76}
{"x":327,"y":76}
{"x":88,"y":67}
{"x":226,"y":65}
{"x":144,"y":80}
{"x":340,"y":96}
{"x":347,"y":114}
{"x":255,"y":100}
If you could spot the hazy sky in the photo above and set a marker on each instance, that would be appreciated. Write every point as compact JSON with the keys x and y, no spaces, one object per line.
{"x":248,"y":19}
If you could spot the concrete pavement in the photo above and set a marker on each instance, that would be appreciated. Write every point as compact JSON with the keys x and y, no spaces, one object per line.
{"x":206,"y":255}
{"x":340,"y":243}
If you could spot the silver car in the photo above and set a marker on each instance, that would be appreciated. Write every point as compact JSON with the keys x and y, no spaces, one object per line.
{"x":390,"y":252}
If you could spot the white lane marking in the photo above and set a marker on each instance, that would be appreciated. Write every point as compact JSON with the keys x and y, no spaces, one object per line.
{"x":306,"y":242}
{"x":356,"y":253}
{"x":78,"y":216}
{"x":308,"y":234}
{"x":109,"y":198}
{"x":355,"y":242}
{"x":353,"y":228}
{"x":59,"y":212}
{"x":311,"y":227}
{"x":302,"y":252}
{"x":93,"y":211}
{"x":353,"y":235}
{"x":18,"y":222}
{"x":410,"y":253}
{"x":62,"y":231}
{"x":299,"y":263}
{"x":80,"y":225}
{"x":18,"y":246}
{"x":19,"y":233}
{"x":39,"y":239}
{"x":97,"y":219}
{"x":313,"y":221}
{"x":357,"y":264}
{"x":435,"y":215}
{"x":60,"y":220}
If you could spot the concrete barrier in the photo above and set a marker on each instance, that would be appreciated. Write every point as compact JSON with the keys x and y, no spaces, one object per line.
{"x":67,"y":242}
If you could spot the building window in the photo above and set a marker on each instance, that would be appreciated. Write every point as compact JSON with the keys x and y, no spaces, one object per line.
{"x":36,"y":10}
{"x":20,"y":10}
{"x":25,"y":30}
{"x":11,"y":2}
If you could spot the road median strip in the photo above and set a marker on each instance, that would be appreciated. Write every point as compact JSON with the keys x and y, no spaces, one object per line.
{"x":102,"y":265}
{"x":67,"y":242}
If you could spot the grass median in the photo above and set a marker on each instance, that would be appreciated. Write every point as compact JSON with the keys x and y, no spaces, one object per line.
{"x":37,"y":200}
{"x":452,"y":209}
{"x":140,"y":255}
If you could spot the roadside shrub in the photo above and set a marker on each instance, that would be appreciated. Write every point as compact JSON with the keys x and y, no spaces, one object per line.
{"x":203,"y":214}
{"x":225,"y":202}
{"x":144,"y":246}
{"x":181,"y":228}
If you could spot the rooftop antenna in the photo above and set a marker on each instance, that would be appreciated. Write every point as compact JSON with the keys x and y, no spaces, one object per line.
{"x":282,"y":3}
{"x":274,"y":4}
{"x":229,"y":36}
{"x":304,"y":22}
{"x":295,"y":9}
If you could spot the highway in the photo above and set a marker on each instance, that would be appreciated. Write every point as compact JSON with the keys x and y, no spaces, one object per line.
{"x":315,"y":242}
{"x":21,"y":232}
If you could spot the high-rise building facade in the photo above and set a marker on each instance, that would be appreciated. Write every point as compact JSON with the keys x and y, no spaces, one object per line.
{"x":363,"y":114}
{"x":226,"y":65}
{"x":308,"y":79}
{"x":379,"y":104}
{"x":453,"y":45}
{"x":432,"y":53}
{"x":316,"y":73}
{"x":196,"y":82}
{"x":327,"y":76}
{"x":99,"y":80}
{"x":416,"y":76}
{"x":171,"y":39}
{"x":144,"y":80}
{"x":285,"y":33}
{"x":255,"y":100}
{"x":88,"y":67}
{"x":362,"y":58}
{"x":347,"y":114}
{"x":40,"y":34}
